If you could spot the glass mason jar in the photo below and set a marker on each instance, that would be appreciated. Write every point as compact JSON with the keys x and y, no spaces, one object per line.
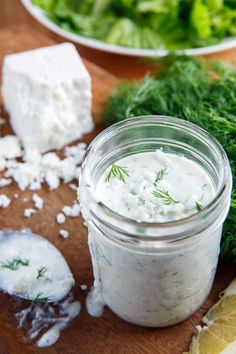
{"x":154,"y":274}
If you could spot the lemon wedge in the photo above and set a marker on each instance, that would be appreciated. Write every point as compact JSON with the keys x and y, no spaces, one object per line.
{"x":217,"y":335}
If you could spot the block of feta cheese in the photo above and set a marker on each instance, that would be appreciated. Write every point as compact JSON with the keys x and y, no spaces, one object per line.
{"x":47,"y":93}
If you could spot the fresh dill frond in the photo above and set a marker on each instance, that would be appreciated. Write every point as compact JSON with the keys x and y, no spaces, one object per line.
{"x":160,"y":175}
{"x":228,"y":247}
{"x":39,"y":299}
{"x":164,"y":195}
{"x":41,"y":272}
{"x":117,"y":172}
{"x":15,"y":264}
{"x":198,"y":206}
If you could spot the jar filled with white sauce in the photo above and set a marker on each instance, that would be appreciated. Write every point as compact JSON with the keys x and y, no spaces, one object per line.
{"x":154,"y":261}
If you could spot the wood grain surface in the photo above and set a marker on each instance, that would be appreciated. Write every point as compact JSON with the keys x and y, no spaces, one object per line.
{"x":86,"y":335}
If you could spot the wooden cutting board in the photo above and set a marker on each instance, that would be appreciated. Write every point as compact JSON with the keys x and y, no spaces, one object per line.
{"x":85,"y":335}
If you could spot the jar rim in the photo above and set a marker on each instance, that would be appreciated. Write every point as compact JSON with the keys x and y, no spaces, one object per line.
{"x":223,"y":189}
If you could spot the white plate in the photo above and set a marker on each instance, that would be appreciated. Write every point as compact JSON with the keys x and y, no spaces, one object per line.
{"x":38,"y":14}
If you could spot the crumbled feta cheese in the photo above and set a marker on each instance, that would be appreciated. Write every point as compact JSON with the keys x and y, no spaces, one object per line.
{"x":38,"y":201}
{"x":4,"y":201}
{"x":23,"y":173}
{"x":52,"y":179}
{"x":47,"y":92}
{"x":32,"y":155}
{"x":83,"y":287}
{"x":47,"y":168}
{"x":60,"y":218}
{"x":35,"y":186}
{"x":77,"y":152}
{"x":29,"y":212}
{"x":2,"y":164}
{"x":64,"y":233}
{"x":66,"y":210}
{"x":73,"y":186}
{"x":5,"y":182}
{"x":10,"y":147}
{"x":50,"y":160}
{"x":73,"y":211}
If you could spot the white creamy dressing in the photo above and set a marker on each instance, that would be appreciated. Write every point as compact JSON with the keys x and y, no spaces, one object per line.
{"x":153,"y":288}
{"x":94,"y":300}
{"x":184,"y":180}
{"x":31,"y":267}
{"x":47,"y":319}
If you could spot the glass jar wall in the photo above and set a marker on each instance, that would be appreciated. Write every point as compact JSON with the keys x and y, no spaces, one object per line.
{"x":154,"y":274}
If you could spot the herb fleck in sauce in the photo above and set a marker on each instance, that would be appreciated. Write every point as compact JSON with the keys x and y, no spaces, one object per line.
{"x":159,"y":187}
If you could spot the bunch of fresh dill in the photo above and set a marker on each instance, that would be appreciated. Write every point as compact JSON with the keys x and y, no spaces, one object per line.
{"x":195,"y":90}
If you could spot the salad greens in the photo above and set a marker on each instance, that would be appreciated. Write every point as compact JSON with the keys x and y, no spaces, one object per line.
{"x":199,"y":92}
{"x":153,"y":24}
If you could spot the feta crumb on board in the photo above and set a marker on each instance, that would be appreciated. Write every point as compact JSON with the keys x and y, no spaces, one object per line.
{"x":38,"y":201}
{"x":4,"y":201}
{"x":64,"y":233}
{"x":83,"y":287}
{"x":72,"y":211}
{"x":47,"y":92}
{"x":60,"y":218}
{"x":10,"y":147}
{"x":5,"y":182}
{"x":37,"y":169}
{"x":29,"y":212}
{"x":76,"y":152}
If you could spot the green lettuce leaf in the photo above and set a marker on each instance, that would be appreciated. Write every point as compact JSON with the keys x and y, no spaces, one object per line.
{"x":200,"y":19}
